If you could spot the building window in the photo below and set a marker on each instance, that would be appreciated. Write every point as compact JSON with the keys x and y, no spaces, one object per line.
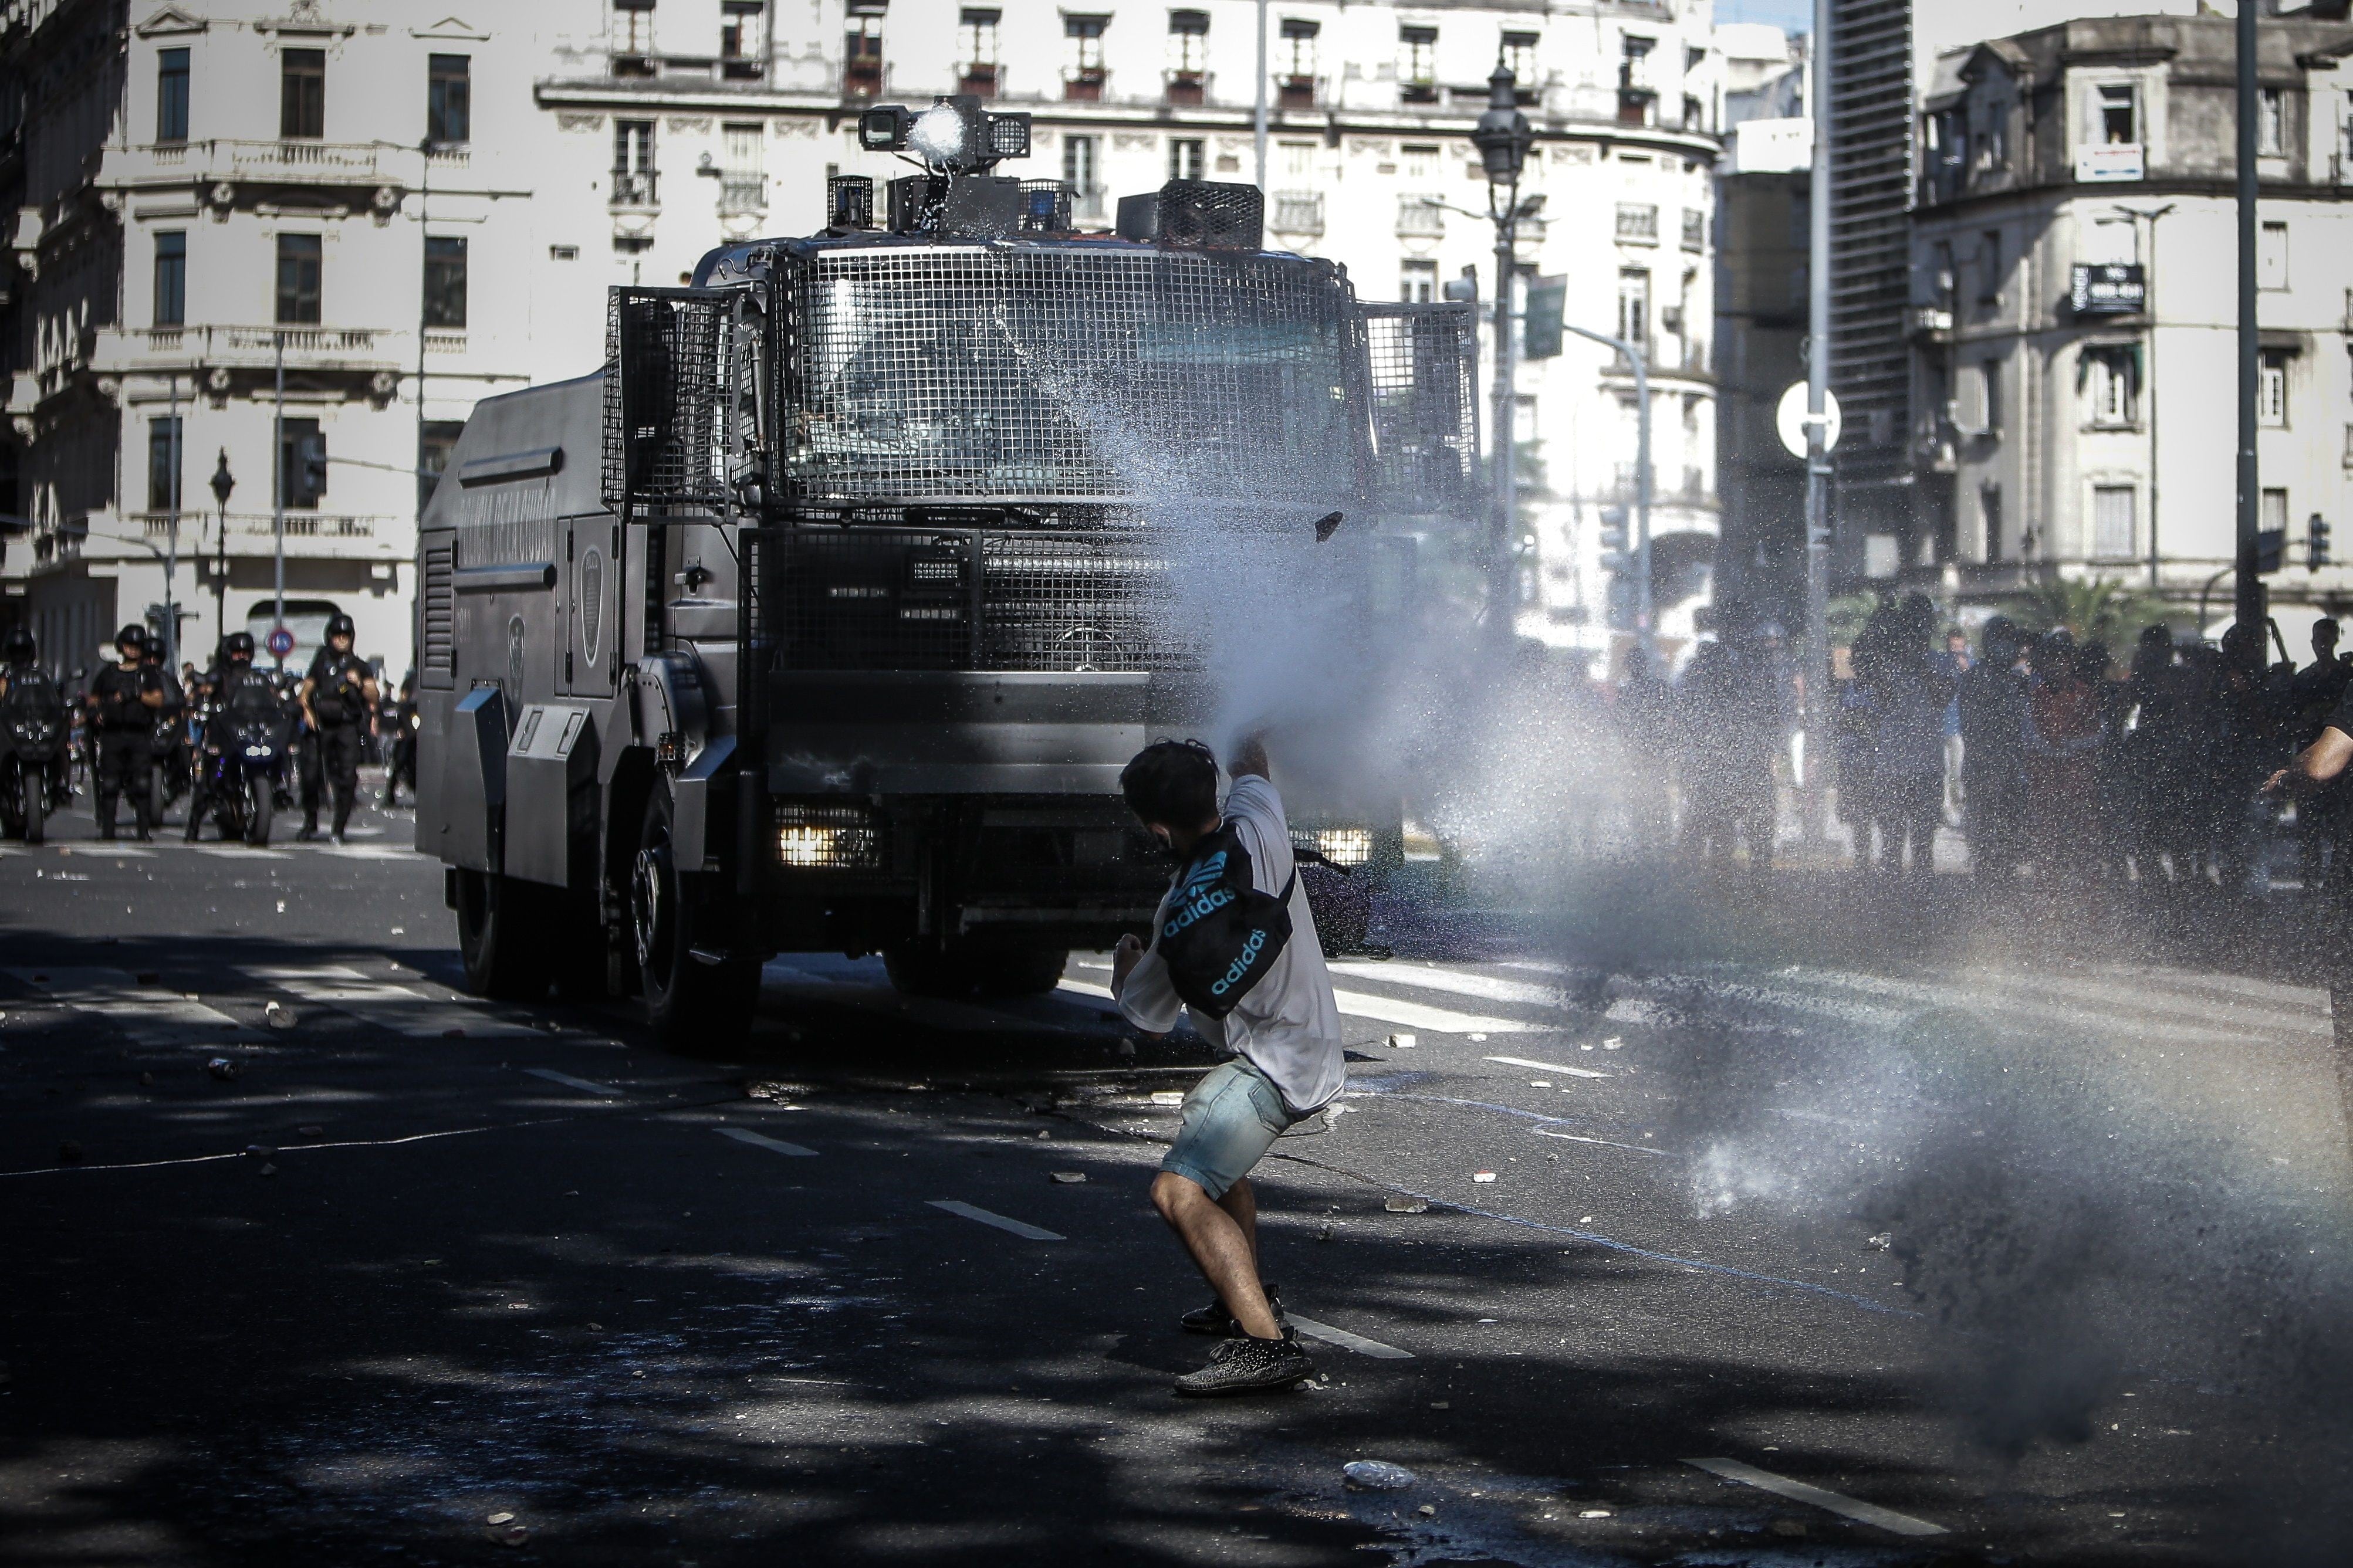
{"x":2271,"y":256}
{"x":436,"y":439}
{"x":171,"y":278}
{"x":445,"y":283}
{"x":1294,"y":66}
{"x":1634,"y":305}
{"x":744,"y":177}
{"x":1420,"y":160}
{"x":2114,"y":532}
{"x":1990,"y":267}
{"x":1188,"y":158}
{"x":1638,"y":94}
{"x":163,"y":465}
{"x":861,"y":51}
{"x":1520,"y":59}
{"x":743,"y":38}
{"x":1990,"y":516}
{"x":1083,"y":44}
{"x":299,"y":260}
{"x":172,"y":95}
{"x":2117,"y":106}
{"x":2270,"y":122}
{"x":976,"y":47}
{"x":1418,"y":64}
{"x":1638,"y":223}
{"x":633,"y":163}
{"x":1188,"y":55}
{"x":302,"y":94}
{"x":1081,"y":171}
{"x":1694,"y":229}
{"x":301,"y":463}
{"x":449,"y":100}
{"x":1989,"y":396}
{"x":2108,"y":382}
{"x":2271,"y":389}
{"x":633,"y":37}
{"x":1420,"y":281}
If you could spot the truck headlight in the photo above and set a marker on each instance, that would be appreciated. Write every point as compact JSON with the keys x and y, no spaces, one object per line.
{"x":828,"y":837}
{"x":1342,"y":845}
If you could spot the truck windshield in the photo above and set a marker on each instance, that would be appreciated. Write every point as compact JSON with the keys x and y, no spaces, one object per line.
{"x":1038,"y":373}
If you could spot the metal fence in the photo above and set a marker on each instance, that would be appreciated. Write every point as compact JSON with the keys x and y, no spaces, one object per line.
{"x":680,"y":368}
{"x":1081,"y":373}
{"x":1424,"y":363}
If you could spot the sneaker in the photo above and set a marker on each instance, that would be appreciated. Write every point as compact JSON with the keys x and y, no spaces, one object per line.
{"x":1215,"y":1320}
{"x":1239,"y":1365}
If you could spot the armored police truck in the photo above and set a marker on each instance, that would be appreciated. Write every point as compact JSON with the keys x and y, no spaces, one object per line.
{"x":825,"y":614}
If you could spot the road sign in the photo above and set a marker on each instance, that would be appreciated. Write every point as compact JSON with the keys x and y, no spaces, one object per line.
{"x":1789,"y":419}
{"x":280,"y":643}
{"x":1547,"y":307}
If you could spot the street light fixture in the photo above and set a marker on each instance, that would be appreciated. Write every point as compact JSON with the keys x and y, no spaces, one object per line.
{"x":1504,"y":137}
{"x":223,"y":482}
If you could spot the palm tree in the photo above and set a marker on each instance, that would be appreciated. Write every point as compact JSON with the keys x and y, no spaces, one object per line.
{"x":2096,"y":609}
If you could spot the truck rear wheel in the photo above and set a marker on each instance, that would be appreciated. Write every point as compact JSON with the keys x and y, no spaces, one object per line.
{"x":694,"y":1002}
{"x":501,"y":938}
{"x":929,"y":970}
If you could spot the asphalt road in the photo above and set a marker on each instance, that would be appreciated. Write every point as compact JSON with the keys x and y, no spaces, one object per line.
{"x":1990,"y":1257}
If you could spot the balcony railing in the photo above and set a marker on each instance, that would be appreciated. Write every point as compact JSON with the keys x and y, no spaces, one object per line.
{"x":1186,"y":90}
{"x":635,"y":189}
{"x":1637,"y":224}
{"x":979,"y":80}
{"x":1420,"y":217}
{"x":1296,"y":211}
{"x":320,"y":348}
{"x":292,"y":162}
{"x":1085,"y":84}
{"x":1297,"y":91}
{"x":742,"y":192}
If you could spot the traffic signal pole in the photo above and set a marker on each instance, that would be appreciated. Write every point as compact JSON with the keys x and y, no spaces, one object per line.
{"x":1818,"y":456}
{"x":2249,"y":600}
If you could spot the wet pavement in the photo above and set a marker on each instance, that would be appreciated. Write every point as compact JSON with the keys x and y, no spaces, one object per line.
{"x":1639,"y":1250}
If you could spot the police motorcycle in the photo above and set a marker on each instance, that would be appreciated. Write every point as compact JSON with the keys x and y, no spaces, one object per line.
{"x":35,"y":731}
{"x":243,"y":757}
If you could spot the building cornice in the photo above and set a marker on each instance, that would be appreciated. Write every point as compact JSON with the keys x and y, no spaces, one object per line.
{"x":2219,"y":187}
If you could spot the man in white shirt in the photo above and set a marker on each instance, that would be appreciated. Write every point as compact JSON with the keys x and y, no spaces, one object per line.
{"x":1288,"y":1060}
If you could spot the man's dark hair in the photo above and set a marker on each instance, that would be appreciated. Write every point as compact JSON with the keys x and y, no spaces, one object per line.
{"x":1172,"y":783}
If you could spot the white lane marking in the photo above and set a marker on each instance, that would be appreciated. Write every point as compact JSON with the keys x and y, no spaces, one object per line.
{"x":1346,"y":1341}
{"x":241,"y":852}
{"x":12,"y":849}
{"x":1799,"y":1491}
{"x":1018,"y":1227}
{"x":113,"y":852}
{"x":568,"y":1081}
{"x":1604,"y":1143}
{"x":366,"y":851}
{"x":1545,"y":1067}
{"x":1434,"y":1020}
{"x":1424,"y":977}
{"x":150,"y":1015}
{"x":384,"y":1003}
{"x":774,"y":1145}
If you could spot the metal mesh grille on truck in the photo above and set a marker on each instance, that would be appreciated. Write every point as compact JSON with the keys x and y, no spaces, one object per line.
{"x":1075,"y":371}
{"x":892,"y":598}
{"x":678,"y":369}
{"x":1424,"y":404}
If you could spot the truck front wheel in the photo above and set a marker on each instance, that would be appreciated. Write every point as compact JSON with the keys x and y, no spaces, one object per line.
{"x":500,"y":938}
{"x":693,"y":1000}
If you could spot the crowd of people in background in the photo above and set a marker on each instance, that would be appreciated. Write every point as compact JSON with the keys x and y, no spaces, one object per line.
{"x":2042,"y":752}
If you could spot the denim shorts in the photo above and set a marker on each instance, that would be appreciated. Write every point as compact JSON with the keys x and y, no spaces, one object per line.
{"x":1230,"y":1121}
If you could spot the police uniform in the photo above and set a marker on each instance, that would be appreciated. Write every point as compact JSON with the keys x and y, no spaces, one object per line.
{"x":339,"y":699}
{"x":126,"y":726}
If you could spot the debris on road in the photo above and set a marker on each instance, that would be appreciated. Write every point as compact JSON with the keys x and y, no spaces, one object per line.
{"x":1167,"y":1097}
{"x":1401,"y":1042}
{"x":507,"y":1534}
{"x":1428,"y":1511}
{"x":1377,"y":1476}
{"x":1594,"y":1513}
{"x":1483,"y":1175}
{"x":502,"y":1517}
{"x":278,"y":1017}
{"x":1882,"y":1241}
{"x":1612,"y":1043}
{"x":1070,"y":1178}
{"x":222,"y":1068}
{"x":1395,"y":1204}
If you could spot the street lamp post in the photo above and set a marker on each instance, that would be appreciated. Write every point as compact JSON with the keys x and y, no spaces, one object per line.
{"x":223,"y":482}
{"x":1504,"y":137}
{"x":171,"y":555}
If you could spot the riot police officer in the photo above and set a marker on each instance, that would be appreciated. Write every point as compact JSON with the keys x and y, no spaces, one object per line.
{"x":124,"y":701}
{"x":338,"y":699}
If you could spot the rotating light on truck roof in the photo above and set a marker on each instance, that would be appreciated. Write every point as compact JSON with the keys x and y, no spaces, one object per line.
{"x":955,"y":134}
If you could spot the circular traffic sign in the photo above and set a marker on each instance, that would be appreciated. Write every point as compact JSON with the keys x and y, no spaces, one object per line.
{"x":1789,"y":419}
{"x":280,"y":643}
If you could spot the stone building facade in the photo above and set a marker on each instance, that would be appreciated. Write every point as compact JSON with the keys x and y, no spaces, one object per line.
{"x":2074,"y":308}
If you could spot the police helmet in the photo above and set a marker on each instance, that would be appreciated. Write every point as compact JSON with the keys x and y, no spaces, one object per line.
{"x":239,"y":646}
{"x":18,"y":646}
{"x":132,"y":637}
{"x":340,"y":626}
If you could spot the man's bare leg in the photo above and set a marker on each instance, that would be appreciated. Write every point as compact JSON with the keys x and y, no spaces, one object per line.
{"x":1241,"y":1202}
{"x":1222,"y":1247}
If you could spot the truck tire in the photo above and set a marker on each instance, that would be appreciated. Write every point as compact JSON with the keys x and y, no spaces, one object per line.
{"x":928,"y":969}
{"x":693,"y":1004}
{"x":501,"y":938}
